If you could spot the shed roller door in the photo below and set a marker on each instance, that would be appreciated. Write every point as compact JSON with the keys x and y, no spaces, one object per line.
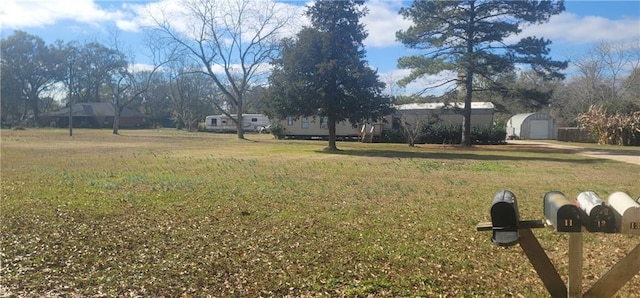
{"x":539,"y":130}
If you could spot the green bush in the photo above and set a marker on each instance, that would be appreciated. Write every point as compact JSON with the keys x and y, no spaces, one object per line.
{"x":489,"y":135}
{"x":441,"y":133}
{"x":445,"y":133}
{"x":393,"y":136}
{"x":276,"y":130}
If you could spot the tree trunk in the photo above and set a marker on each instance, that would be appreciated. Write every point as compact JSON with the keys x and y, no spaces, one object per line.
{"x":466,"y":113}
{"x":116,"y":120}
{"x":332,"y":134}
{"x":239,"y":125}
{"x":468,"y":82}
{"x":33,"y":98}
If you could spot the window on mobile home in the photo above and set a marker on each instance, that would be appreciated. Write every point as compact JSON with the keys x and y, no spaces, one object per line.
{"x":289,"y":120}
{"x":305,"y":122}
{"x":324,"y":122}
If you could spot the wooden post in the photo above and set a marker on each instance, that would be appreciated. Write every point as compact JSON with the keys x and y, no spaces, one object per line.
{"x":541,"y":263}
{"x":606,"y":286}
{"x":618,"y":276}
{"x":575,"y":265}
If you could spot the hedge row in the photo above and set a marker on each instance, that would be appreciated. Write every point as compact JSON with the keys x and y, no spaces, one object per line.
{"x":450,"y":134}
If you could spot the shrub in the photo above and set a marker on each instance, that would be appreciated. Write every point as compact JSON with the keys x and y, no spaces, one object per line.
{"x":446,"y":133}
{"x":393,"y":136}
{"x":442,"y":133}
{"x":494,"y":134}
{"x":277,"y":130}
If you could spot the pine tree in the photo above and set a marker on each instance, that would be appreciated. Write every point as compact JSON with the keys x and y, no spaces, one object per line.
{"x":323,"y":73}
{"x":468,"y":37}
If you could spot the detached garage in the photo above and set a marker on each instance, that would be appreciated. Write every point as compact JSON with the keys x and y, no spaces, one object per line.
{"x":532,"y":126}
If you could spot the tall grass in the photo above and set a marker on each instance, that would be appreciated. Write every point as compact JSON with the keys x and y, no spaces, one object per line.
{"x":167,"y":213}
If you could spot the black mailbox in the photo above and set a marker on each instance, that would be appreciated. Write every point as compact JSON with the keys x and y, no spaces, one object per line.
{"x":564,"y":216}
{"x":596,"y":216}
{"x":505,"y":219}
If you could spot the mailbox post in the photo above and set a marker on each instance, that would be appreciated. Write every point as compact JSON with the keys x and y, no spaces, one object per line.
{"x":508,"y":230}
{"x":505,"y":219}
{"x":596,"y":216}
{"x":561,"y":213}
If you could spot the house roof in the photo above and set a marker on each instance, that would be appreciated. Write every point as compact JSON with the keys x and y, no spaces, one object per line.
{"x":440,"y":105}
{"x":93,"y":109}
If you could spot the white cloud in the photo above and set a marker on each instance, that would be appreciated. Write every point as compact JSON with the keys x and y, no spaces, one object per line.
{"x":428,"y":85}
{"x":382,"y":22}
{"x":569,"y":28}
{"x":141,"y":67}
{"x":147,"y":14}
{"x":181,"y":19}
{"x":39,"y":13}
{"x":129,"y":26}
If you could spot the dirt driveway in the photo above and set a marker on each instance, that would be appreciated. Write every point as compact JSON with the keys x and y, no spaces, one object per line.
{"x":632,"y":157}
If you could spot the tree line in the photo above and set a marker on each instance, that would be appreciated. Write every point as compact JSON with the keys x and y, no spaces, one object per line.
{"x":235,"y":58}
{"x":34,"y":74}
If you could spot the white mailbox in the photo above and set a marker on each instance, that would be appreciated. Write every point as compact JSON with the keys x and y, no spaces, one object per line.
{"x":627,"y":212}
{"x":596,"y":216}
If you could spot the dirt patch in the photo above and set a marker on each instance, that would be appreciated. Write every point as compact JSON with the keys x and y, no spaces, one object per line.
{"x":537,"y":148}
{"x":632,"y":157}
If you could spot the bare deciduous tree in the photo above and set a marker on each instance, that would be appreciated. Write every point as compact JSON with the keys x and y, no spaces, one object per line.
{"x":129,"y":84}
{"x":604,"y":76}
{"x":190,"y":96}
{"x":233,"y":42}
{"x":412,"y":128}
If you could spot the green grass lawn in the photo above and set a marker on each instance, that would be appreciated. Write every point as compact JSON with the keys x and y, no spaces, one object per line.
{"x":166,"y":213}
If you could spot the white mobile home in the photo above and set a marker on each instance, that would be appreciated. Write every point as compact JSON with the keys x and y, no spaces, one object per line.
{"x":318,"y":128}
{"x":223,"y":123}
{"x":481,"y":113}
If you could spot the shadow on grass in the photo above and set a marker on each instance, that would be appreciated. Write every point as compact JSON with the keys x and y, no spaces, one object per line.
{"x":607,"y":152}
{"x":469,"y":154}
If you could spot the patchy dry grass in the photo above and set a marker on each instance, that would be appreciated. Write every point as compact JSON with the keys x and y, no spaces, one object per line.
{"x":166,"y":213}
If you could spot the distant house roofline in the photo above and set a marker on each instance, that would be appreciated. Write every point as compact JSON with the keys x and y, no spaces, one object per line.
{"x":439,"y":105}
{"x":93,"y":109}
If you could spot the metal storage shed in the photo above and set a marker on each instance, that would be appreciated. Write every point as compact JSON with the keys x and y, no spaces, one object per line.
{"x":532,"y":126}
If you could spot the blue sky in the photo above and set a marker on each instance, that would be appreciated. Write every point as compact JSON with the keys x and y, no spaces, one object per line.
{"x":578,"y":29}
